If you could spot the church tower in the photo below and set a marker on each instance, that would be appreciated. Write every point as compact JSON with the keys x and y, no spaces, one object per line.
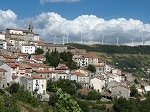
{"x":30,"y":28}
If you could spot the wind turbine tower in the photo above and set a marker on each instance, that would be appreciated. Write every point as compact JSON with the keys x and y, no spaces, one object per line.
{"x":63,"y":40}
{"x":54,"y":42}
{"x":117,"y":40}
{"x":142,"y":40}
{"x":81,"y":39}
{"x":90,"y":40}
{"x":67,"y":37}
{"x":132,"y":41}
{"x":102,"y":41}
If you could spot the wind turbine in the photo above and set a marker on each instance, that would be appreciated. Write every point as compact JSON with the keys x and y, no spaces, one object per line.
{"x":117,"y":40}
{"x":67,"y":37}
{"x":142,"y":40}
{"x":132,"y":41}
{"x":102,"y":41}
{"x":81,"y":39}
{"x":54,"y":42}
{"x":64,"y":39}
{"x":90,"y":40}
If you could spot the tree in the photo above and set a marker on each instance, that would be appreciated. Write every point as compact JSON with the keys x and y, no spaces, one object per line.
{"x":121,"y":105}
{"x":14,"y":88}
{"x":52,"y":59}
{"x":134,"y":92}
{"x":91,"y":68}
{"x":136,"y":81}
{"x":68,"y":86}
{"x":66,"y":103}
{"x":39,"y":51}
{"x":8,"y":104}
{"x":72,"y":65}
{"x":50,"y":86}
{"x":53,"y":99}
{"x":66,"y":56}
{"x":94,"y":95}
{"x":84,"y":105}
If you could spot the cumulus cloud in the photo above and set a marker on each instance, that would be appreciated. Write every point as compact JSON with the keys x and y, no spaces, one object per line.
{"x":7,"y":19}
{"x":58,"y":1}
{"x":89,"y":27}
{"x":92,"y":27}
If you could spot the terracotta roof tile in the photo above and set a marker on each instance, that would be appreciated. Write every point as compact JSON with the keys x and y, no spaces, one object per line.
{"x":37,"y":77}
{"x":2,"y":70}
{"x":13,"y":65}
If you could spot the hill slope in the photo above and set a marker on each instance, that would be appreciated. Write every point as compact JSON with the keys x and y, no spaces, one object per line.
{"x":130,"y":59}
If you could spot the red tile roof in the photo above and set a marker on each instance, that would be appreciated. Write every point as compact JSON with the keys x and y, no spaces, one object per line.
{"x":37,"y":65}
{"x":78,"y":74}
{"x":9,"y":56}
{"x":37,"y":77}
{"x":62,"y":67}
{"x":13,"y":65}
{"x":43,"y":71}
{"x":2,"y":70}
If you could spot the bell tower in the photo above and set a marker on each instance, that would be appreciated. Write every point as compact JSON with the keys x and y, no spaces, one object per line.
{"x":30,"y":28}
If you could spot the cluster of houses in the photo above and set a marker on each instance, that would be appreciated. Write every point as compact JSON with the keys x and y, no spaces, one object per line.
{"x":29,"y":71}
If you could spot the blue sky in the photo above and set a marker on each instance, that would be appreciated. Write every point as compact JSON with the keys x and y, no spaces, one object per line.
{"x":127,"y":19}
{"x":107,"y":9}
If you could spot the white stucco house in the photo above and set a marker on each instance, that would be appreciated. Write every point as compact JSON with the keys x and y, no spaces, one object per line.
{"x":12,"y":72}
{"x":30,"y":49}
{"x":3,"y":44}
{"x":97,"y":83}
{"x":114,"y":77}
{"x":34,"y":84}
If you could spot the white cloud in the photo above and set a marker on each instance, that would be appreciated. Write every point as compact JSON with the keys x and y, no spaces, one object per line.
{"x":7,"y":19}
{"x":89,"y":26}
{"x":58,"y":1}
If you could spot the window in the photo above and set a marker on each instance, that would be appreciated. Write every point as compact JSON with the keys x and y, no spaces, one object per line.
{"x":42,"y":86}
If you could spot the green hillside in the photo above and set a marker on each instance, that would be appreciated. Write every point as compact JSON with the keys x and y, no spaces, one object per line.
{"x":113,"y":48}
{"x":130,"y":59}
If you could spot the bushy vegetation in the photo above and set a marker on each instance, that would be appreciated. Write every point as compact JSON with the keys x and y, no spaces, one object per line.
{"x":66,"y":103}
{"x":114,"y":49}
{"x":66,"y":85}
{"x":135,"y":60}
{"x":132,"y":105}
{"x":94,"y":95}
{"x":54,"y":58}
{"x":91,"y":68}
{"x":39,"y":51}
{"x":8,"y":104}
{"x":22,"y":95}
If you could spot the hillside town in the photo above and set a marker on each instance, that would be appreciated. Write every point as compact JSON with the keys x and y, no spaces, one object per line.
{"x":19,"y":63}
